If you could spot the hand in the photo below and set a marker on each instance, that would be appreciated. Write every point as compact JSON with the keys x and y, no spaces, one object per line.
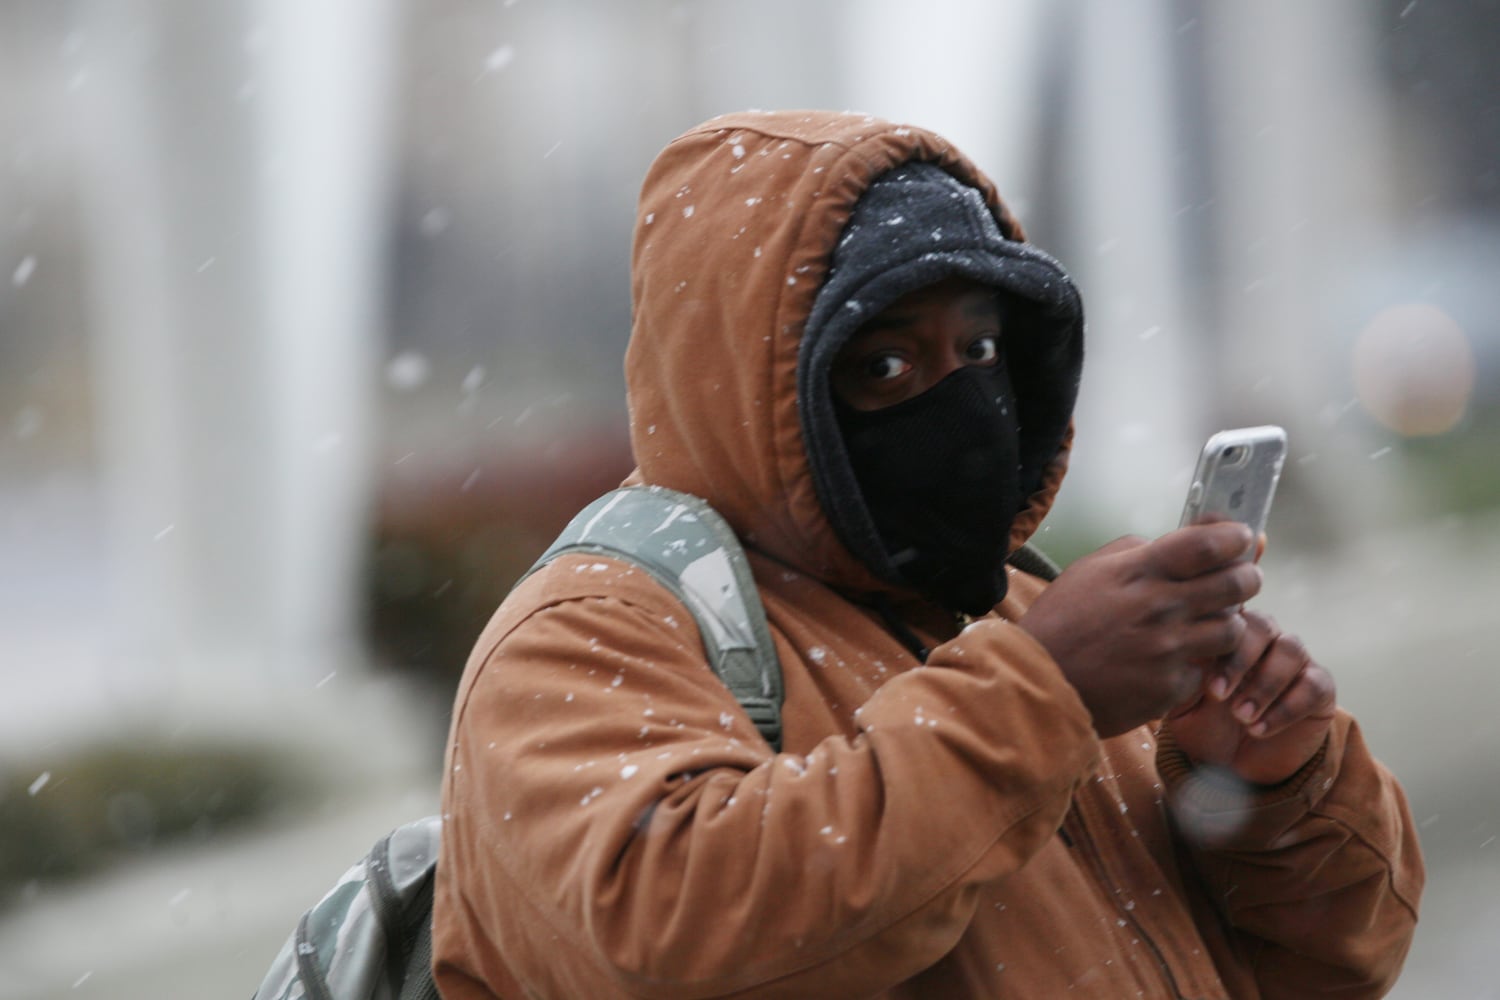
{"x":1264,"y":710}
{"x":1132,"y":624}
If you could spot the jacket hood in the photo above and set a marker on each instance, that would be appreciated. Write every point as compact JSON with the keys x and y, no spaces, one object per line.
{"x":735,"y":236}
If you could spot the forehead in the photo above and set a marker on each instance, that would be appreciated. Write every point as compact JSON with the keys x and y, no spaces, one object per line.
{"x":952,"y":299}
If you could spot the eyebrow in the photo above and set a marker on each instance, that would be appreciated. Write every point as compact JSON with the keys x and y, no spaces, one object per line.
{"x":980,"y":307}
{"x":886,"y":321}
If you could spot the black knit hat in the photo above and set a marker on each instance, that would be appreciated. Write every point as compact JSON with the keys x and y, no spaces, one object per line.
{"x":914,"y":226}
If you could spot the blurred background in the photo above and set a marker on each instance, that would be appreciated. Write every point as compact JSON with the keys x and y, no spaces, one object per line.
{"x":311,"y":325}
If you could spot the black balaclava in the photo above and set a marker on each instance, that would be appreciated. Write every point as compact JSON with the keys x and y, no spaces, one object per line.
{"x":924,"y":492}
{"x":939,"y":474}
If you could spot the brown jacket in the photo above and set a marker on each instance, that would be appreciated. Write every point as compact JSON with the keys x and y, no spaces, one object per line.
{"x":615,"y":826}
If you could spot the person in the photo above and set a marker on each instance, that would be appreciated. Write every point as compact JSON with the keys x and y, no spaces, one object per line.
{"x":1122,"y":783}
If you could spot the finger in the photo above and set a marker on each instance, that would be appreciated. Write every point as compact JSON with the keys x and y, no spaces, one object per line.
{"x":1229,"y":671}
{"x":1283,"y":662}
{"x":1209,"y":638}
{"x":1312,"y":696}
{"x":1260,"y":539}
{"x":1199,"y":548}
{"x":1121,"y":544}
{"x":1222,"y":590}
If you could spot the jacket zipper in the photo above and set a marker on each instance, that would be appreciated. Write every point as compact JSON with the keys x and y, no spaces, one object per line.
{"x":1082,"y":841}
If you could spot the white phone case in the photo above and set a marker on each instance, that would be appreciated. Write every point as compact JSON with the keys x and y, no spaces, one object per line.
{"x":1236,"y":477}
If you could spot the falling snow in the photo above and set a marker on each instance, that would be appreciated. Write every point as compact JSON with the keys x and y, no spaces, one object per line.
{"x":434,"y":223}
{"x":23,"y":271}
{"x":407,"y":371}
{"x":28,"y":422}
{"x":499,"y":59}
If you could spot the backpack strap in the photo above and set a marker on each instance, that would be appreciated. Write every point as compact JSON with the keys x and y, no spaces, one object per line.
{"x":689,"y":549}
{"x":417,"y":982}
{"x":1030,"y":559}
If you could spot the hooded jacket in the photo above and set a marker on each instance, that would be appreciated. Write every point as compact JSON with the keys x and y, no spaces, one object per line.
{"x":614,"y":825}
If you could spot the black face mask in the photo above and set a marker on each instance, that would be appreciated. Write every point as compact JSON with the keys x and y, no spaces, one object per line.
{"x":938,"y":473}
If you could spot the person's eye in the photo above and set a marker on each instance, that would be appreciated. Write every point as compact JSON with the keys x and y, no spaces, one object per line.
{"x":884,"y":367}
{"x":983,"y":351}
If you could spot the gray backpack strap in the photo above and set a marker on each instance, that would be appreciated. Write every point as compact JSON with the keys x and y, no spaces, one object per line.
{"x":1030,"y":559}
{"x":687,"y":547}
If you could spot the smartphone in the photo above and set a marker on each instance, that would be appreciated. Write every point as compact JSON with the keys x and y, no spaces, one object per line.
{"x":1236,"y":477}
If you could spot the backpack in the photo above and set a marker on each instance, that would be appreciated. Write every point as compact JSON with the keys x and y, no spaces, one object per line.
{"x":370,"y":937}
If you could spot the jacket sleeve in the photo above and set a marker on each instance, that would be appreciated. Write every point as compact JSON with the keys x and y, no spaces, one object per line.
{"x":1318,"y":878}
{"x":612,"y":816}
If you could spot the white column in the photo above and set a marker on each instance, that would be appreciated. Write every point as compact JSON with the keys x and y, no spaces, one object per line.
{"x":234,"y":160}
{"x":172,"y":284}
{"x":323,"y":99}
{"x":1121,"y":204}
{"x":966,"y":69}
